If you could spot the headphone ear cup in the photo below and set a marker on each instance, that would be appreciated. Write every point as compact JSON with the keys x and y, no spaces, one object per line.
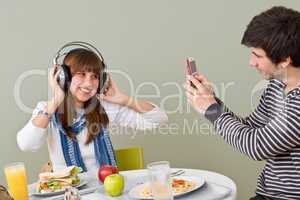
{"x":64,"y":78}
{"x":102,"y":83}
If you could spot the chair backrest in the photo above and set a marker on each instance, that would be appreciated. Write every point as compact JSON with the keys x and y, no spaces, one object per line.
{"x":127,"y":159}
{"x":130,"y":158}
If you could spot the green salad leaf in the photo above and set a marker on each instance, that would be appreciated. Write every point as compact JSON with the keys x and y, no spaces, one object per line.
{"x":54,"y":185}
{"x":76,"y":171}
{"x":76,"y":180}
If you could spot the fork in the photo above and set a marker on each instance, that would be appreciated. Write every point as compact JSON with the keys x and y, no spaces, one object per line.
{"x":178,"y":172}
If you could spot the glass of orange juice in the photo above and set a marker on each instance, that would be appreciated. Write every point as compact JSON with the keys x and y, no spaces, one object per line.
{"x":16,"y":180}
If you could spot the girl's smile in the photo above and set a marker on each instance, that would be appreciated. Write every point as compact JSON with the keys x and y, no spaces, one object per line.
{"x":84,"y":85}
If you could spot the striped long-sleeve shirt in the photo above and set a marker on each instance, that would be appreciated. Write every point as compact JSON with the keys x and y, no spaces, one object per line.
{"x":271,"y":133}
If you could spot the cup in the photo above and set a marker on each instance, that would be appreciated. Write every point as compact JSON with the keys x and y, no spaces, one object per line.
{"x":160,"y":180}
{"x":16,"y":180}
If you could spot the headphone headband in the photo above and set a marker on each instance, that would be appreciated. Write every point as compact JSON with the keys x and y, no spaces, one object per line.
{"x":84,"y":45}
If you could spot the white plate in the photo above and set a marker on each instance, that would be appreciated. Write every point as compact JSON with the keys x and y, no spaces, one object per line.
{"x":48,"y":194}
{"x":135,"y":192}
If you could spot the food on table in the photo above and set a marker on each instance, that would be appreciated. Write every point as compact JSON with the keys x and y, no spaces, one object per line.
{"x":146,"y":192}
{"x":58,"y":180}
{"x":114,"y":185}
{"x":181,"y":185}
{"x":105,"y":171}
{"x":178,"y":186}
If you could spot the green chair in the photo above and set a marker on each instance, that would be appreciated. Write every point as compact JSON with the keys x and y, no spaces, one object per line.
{"x":130,"y":158}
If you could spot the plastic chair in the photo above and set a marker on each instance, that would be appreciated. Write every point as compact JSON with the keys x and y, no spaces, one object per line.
{"x":130,"y":158}
{"x":127,"y":159}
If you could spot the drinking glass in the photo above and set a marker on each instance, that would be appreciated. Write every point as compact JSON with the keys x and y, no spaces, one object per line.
{"x":160,"y":180}
{"x":16,"y":180}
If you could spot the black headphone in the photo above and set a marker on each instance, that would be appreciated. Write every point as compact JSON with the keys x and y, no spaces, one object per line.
{"x":64,"y":77}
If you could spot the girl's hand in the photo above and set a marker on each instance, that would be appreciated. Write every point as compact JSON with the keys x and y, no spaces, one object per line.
{"x":113,"y":94}
{"x":58,"y":93}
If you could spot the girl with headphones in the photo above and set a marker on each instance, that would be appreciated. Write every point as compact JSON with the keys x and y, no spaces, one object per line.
{"x":75,"y":121}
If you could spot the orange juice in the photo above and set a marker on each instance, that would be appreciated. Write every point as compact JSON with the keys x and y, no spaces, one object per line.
{"x":17,"y":181}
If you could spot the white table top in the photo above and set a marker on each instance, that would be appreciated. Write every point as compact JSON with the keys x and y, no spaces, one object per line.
{"x":217,"y":186}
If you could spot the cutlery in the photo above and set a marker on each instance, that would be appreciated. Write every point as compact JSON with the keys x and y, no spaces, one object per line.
{"x":177,"y":173}
{"x":81,"y":192}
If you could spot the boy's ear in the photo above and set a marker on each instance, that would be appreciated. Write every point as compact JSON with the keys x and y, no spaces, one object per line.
{"x":286,"y":62}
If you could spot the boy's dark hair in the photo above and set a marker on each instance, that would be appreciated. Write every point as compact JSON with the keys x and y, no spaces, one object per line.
{"x":277,"y":32}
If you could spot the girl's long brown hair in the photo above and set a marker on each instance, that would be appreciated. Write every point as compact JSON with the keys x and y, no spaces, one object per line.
{"x":82,"y":60}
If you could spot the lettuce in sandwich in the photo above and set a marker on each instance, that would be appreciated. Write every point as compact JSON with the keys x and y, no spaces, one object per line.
{"x":58,"y":180}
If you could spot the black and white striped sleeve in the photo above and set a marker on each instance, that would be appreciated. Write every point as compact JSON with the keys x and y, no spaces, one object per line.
{"x":278,"y":136}
{"x":256,"y":119}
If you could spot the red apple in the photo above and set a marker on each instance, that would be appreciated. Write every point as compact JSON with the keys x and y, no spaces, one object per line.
{"x":106,"y":170}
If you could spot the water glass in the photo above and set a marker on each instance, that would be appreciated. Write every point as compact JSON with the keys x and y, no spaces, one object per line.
{"x":160,"y":180}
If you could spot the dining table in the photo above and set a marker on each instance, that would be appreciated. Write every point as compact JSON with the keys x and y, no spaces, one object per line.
{"x":216,"y":186}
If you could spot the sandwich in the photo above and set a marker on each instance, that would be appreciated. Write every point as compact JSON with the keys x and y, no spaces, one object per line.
{"x":58,"y":180}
